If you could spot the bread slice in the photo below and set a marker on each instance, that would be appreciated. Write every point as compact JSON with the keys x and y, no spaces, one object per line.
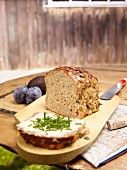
{"x":72,"y":92}
{"x":36,"y":130}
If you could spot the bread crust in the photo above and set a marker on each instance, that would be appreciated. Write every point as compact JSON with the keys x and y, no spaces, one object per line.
{"x":85,"y":93}
{"x":53,"y":143}
{"x":76,"y":73}
{"x":51,"y":138}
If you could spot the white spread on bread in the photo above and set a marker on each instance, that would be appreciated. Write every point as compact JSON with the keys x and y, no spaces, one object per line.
{"x":75,"y":125}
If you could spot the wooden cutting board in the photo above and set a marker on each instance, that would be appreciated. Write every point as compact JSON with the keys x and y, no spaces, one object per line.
{"x":8,"y":103}
{"x":94,"y":122}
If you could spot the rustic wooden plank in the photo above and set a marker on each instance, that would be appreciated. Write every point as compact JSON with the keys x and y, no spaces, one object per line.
{"x":69,"y":36}
{"x":45,"y":41}
{"x":107,"y":45}
{"x":119,"y":35}
{"x":84,"y":43}
{"x":54,"y":43}
{"x":111,"y":35}
{"x":1,"y":42}
{"x":32,"y":13}
{"x":41,"y":40}
{"x":124,"y":57}
{"x":36,"y":58}
{"x":89,"y":35}
{"x":50,"y":38}
{"x":8,"y":127}
{"x":33,"y":35}
{"x":4,"y":35}
{"x":102,"y":34}
{"x":95,"y":37}
{"x":78,"y":36}
{"x":22,"y":33}
{"x":94,"y":25}
{"x":13,"y":54}
{"x":8,"y":104}
{"x":59,"y":37}
{"x":65,"y":37}
{"x":30,"y":34}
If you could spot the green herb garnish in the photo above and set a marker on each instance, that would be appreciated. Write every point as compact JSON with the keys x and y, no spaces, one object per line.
{"x":51,"y":124}
{"x":78,"y":123}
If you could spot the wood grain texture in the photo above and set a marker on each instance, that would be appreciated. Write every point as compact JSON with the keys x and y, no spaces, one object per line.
{"x":4,"y":62}
{"x":94,"y":123}
{"x":32,"y":36}
{"x":8,"y":130}
{"x":108,"y":75}
{"x":22,"y":33}
{"x":12,"y":29}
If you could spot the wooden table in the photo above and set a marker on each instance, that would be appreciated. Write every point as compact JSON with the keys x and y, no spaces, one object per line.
{"x":107,"y":75}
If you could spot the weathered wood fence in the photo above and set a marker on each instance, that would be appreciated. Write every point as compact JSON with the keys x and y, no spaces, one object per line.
{"x":32,"y":36}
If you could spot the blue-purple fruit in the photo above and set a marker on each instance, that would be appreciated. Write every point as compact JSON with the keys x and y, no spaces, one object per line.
{"x":20,"y":94}
{"x":32,"y":94}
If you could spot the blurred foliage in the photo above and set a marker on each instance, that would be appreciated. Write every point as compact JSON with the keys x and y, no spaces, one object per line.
{"x":11,"y":161}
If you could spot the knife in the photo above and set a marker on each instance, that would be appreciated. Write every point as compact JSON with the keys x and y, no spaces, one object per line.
{"x":114,"y":90}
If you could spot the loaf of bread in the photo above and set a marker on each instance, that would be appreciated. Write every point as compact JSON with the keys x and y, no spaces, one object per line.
{"x":72,"y":92}
{"x":51,"y":131}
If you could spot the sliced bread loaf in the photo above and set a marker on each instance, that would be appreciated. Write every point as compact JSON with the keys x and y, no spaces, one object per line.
{"x":72,"y":92}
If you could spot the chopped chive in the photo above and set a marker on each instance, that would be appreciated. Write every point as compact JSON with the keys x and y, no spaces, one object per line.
{"x":51,"y":124}
{"x":29,"y":125}
{"x":78,"y":123}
